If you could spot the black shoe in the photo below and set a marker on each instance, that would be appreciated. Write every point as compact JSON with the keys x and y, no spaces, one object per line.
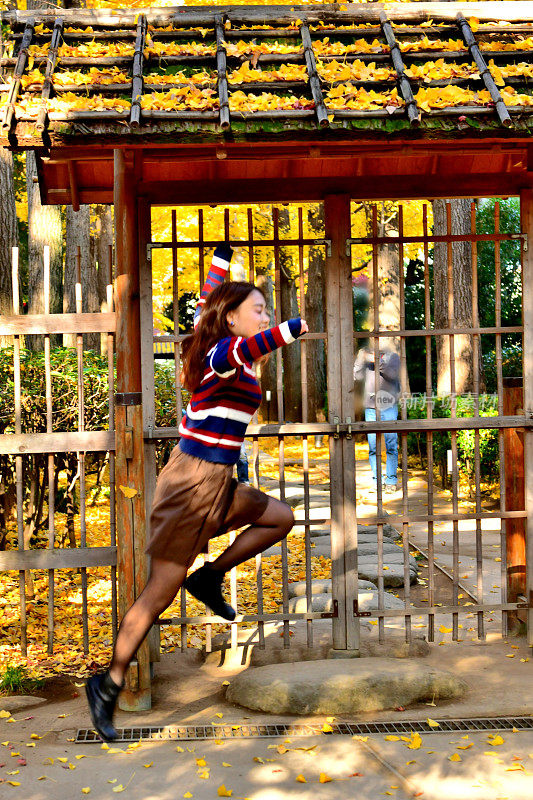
{"x":102,"y":694}
{"x":206,"y":585}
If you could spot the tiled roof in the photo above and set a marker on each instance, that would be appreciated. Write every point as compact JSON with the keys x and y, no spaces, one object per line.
{"x":250,"y":68}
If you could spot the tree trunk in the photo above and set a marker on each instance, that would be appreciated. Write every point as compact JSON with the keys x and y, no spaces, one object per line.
{"x":462,"y":296}
{"x":389,"y":286}
{"x":267,"y":372}
{"x":44,"y":228}
{"x":8,"y":235}
{"x":292,"y":389}
{"x":262,"y":223}
{"x":102,"y":238}
{"x":78,"y":242}
{"x":315,"y":312}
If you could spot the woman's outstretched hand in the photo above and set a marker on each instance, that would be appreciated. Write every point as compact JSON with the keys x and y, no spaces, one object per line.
{"x":305,"y":327}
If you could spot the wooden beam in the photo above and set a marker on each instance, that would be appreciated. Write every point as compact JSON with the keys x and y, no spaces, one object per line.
{"x":284,"y":14}
{"x":394,"y":187}
{"x":513,"y":440}
{"x":526,"y":213}
{"x":131,"y":520}
{"x":12,"y":444}
{"x":58,"y":558}
{"x":57,"y":323}
{"x":336,"y":232}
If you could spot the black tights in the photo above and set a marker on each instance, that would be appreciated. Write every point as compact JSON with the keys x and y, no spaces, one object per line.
{"x":166,"y":577}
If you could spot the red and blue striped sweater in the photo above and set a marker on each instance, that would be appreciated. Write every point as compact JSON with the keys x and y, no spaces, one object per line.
{"x":214,"y":424}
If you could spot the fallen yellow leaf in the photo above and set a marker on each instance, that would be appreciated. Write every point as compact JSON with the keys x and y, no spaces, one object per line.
{"x":324,"y":778}
{"x":433,"y":723}
{"x":495,"y":740}
{"x":416,"y":741}
{"x":4,"y":714}
{"x":86,"y":789}
{"x":301,"y":779}
{"x":128,"y":491}
{"x":223,"y":792}
{"x":455,"y":757}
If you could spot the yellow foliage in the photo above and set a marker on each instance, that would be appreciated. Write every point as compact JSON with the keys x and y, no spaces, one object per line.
{"x":286,"y":72}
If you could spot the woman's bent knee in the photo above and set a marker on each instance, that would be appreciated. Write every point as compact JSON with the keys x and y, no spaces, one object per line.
{"x":286,"y":519}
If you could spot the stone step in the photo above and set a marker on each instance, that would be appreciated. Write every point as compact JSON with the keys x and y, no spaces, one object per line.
{"x":344,"y":686}
{"x":319,"y":586}
{"x":368,"y":601}
{"x":392,"y":574}
{"x":249,"y":653}
{"x":370,"y":555}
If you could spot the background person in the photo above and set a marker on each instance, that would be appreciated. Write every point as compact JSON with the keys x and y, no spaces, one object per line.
{"x":386,"y":399}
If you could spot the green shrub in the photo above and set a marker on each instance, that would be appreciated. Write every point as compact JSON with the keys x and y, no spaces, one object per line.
{"x":15,"y":680}
{"x":488,"y":437}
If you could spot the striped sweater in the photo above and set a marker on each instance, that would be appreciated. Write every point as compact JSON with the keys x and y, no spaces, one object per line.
{"x":214,"y":424}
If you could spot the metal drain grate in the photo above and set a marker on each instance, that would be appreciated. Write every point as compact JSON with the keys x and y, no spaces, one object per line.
{"x":205,"y":732}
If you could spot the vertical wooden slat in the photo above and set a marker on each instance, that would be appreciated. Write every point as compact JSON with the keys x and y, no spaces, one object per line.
{"x":201,"y":255}
{"x":403,"y":385}
{"x":499,"y":384}
{"x":526,"y":215}
{"x":351,"y":580}
{"x":251,"y":252}
{"x":234,"y":629}
{"x":513,"y":400}
{"x":148,"y":385}
{"x":429,"y":440}
{"x":18,"y":459}
{"x":455,"y":475}
{"x":305,"y":439}
{"x":175,"y":318}
{"x":255,"y":446}
{"x":477,"y":459}
{"x":281,"y":417}
{"x":379,"y":435}
{"x":111,"y":402}
{"x":81,"y":456}
{"x":51,"y":476}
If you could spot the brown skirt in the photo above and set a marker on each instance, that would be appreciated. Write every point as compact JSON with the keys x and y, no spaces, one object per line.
{"x":194,"y":501}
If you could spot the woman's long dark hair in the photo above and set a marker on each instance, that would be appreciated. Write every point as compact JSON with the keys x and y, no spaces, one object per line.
{"x":212,"y":327}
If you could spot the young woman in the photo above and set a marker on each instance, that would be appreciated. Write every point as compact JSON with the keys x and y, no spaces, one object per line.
{"x":196,"y":497}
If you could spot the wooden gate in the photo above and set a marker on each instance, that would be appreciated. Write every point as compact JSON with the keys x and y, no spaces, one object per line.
{"x":38,"y":439}
{"x":279,"y":242}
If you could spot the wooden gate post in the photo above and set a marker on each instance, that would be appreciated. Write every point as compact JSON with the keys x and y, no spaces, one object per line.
{"x":339,"y":320}
{"x":513,"y":443}
{"x":526,"y":215}
{"x":130,"y":511}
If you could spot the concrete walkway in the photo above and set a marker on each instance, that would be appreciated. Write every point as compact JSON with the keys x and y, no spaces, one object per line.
{"x":188,"y":692}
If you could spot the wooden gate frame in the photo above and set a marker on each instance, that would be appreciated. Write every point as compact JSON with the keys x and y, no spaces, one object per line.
{"x":137,"y":455}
